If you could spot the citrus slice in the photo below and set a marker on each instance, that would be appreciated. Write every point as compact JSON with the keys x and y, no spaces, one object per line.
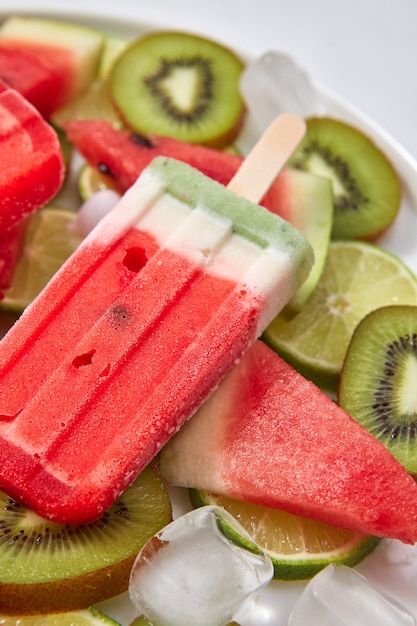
{"x":113,"y":46}
{"x":49,"y":241}
{"x":86,"y":617}
{"x":94,"y":103}
{"x":358,"y":277}
{"x":90,"y":181}
{"x":297,"y":546}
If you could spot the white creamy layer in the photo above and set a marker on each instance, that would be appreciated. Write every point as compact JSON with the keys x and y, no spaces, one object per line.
{"x":208,"y":238}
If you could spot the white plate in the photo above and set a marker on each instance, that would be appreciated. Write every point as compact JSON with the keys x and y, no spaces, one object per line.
{"x":393,"y":566}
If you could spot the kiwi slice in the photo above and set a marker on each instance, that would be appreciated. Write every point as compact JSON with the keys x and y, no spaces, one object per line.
{"x":366,"y":188}
{"x":378,"y":382}
{"x":47,"y":567}
{"x":179,"y":85}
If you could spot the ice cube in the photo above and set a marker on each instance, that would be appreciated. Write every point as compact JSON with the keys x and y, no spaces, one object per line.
{"x":273,"y":84}
{"x":191,"y":573}
{"x":340,"y":596}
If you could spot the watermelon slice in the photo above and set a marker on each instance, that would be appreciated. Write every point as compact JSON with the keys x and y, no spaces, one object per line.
{"x":32,"y":168}
{"x":49,"y":62}
{"x":304,"y":200}
{"x":269,"y":436}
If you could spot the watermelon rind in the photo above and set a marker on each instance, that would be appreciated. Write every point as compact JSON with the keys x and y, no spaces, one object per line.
{"x":86,"y":43}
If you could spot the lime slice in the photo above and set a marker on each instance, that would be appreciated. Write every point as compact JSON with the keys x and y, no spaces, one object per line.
{"x":90,"y":181}
{"x":49,"y":241}
{"x":87,"y":617}
{"x":297,"y":546}
{"x":113,"y":46}
{"x":94,"y":103}
{"x":358,"y":277}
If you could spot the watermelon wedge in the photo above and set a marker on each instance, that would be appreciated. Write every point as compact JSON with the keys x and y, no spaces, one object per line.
{"x":269,"y":436}
{"x":304,"y":200}
{"x":122,"y":155}
{"x":49,"y":62}
{"x":32,"y":168}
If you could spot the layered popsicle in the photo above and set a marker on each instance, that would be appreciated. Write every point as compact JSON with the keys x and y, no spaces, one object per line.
{"x":133,"y":334}
{"x":31,"y":163}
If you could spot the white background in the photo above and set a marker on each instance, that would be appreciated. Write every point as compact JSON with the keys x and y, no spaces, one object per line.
{"x":365,"y":50}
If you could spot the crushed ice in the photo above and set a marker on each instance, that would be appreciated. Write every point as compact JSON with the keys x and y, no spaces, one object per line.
{"x":396,"y":552}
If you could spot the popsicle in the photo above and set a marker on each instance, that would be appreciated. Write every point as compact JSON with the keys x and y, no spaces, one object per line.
{"x":32,"y":168}
{"x":138,"y":328}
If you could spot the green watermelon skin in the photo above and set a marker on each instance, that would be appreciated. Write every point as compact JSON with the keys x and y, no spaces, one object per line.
{"x":27,"y":71}
{"x":269,"y":436}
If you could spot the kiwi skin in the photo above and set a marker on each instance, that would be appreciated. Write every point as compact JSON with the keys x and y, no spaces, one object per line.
{"x":26,"y":589}
{"x":59,"y":597}
{"x":377,"y":383}
{"x":366,"y":187}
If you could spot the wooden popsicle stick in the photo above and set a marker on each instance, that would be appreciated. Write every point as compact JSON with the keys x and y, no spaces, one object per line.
{"x":268,"y":156}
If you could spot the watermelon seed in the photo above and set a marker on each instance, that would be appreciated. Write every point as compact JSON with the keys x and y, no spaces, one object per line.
{"x":119,"y":317}
{"x":141,"y":140}
{"x":104,"y":169}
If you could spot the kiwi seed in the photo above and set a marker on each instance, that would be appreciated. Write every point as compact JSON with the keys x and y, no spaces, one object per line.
{"x":47,"y":567}
{"x":377,"y":386}
{"x":179,"y":85}
{"x":201,"y":104}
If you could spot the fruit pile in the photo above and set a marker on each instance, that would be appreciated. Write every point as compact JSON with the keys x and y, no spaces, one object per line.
{"x":312,"y":484}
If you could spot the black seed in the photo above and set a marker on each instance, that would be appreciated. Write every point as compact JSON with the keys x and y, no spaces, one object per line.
{"x":141,"y":140}
{"x":204,"y":98}
{"x":104,"y":169}
{"x":119,"y":316}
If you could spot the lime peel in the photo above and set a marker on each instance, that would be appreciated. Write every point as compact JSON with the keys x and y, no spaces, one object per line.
{"x":275,"y":532}
{"x":358,"y":277}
